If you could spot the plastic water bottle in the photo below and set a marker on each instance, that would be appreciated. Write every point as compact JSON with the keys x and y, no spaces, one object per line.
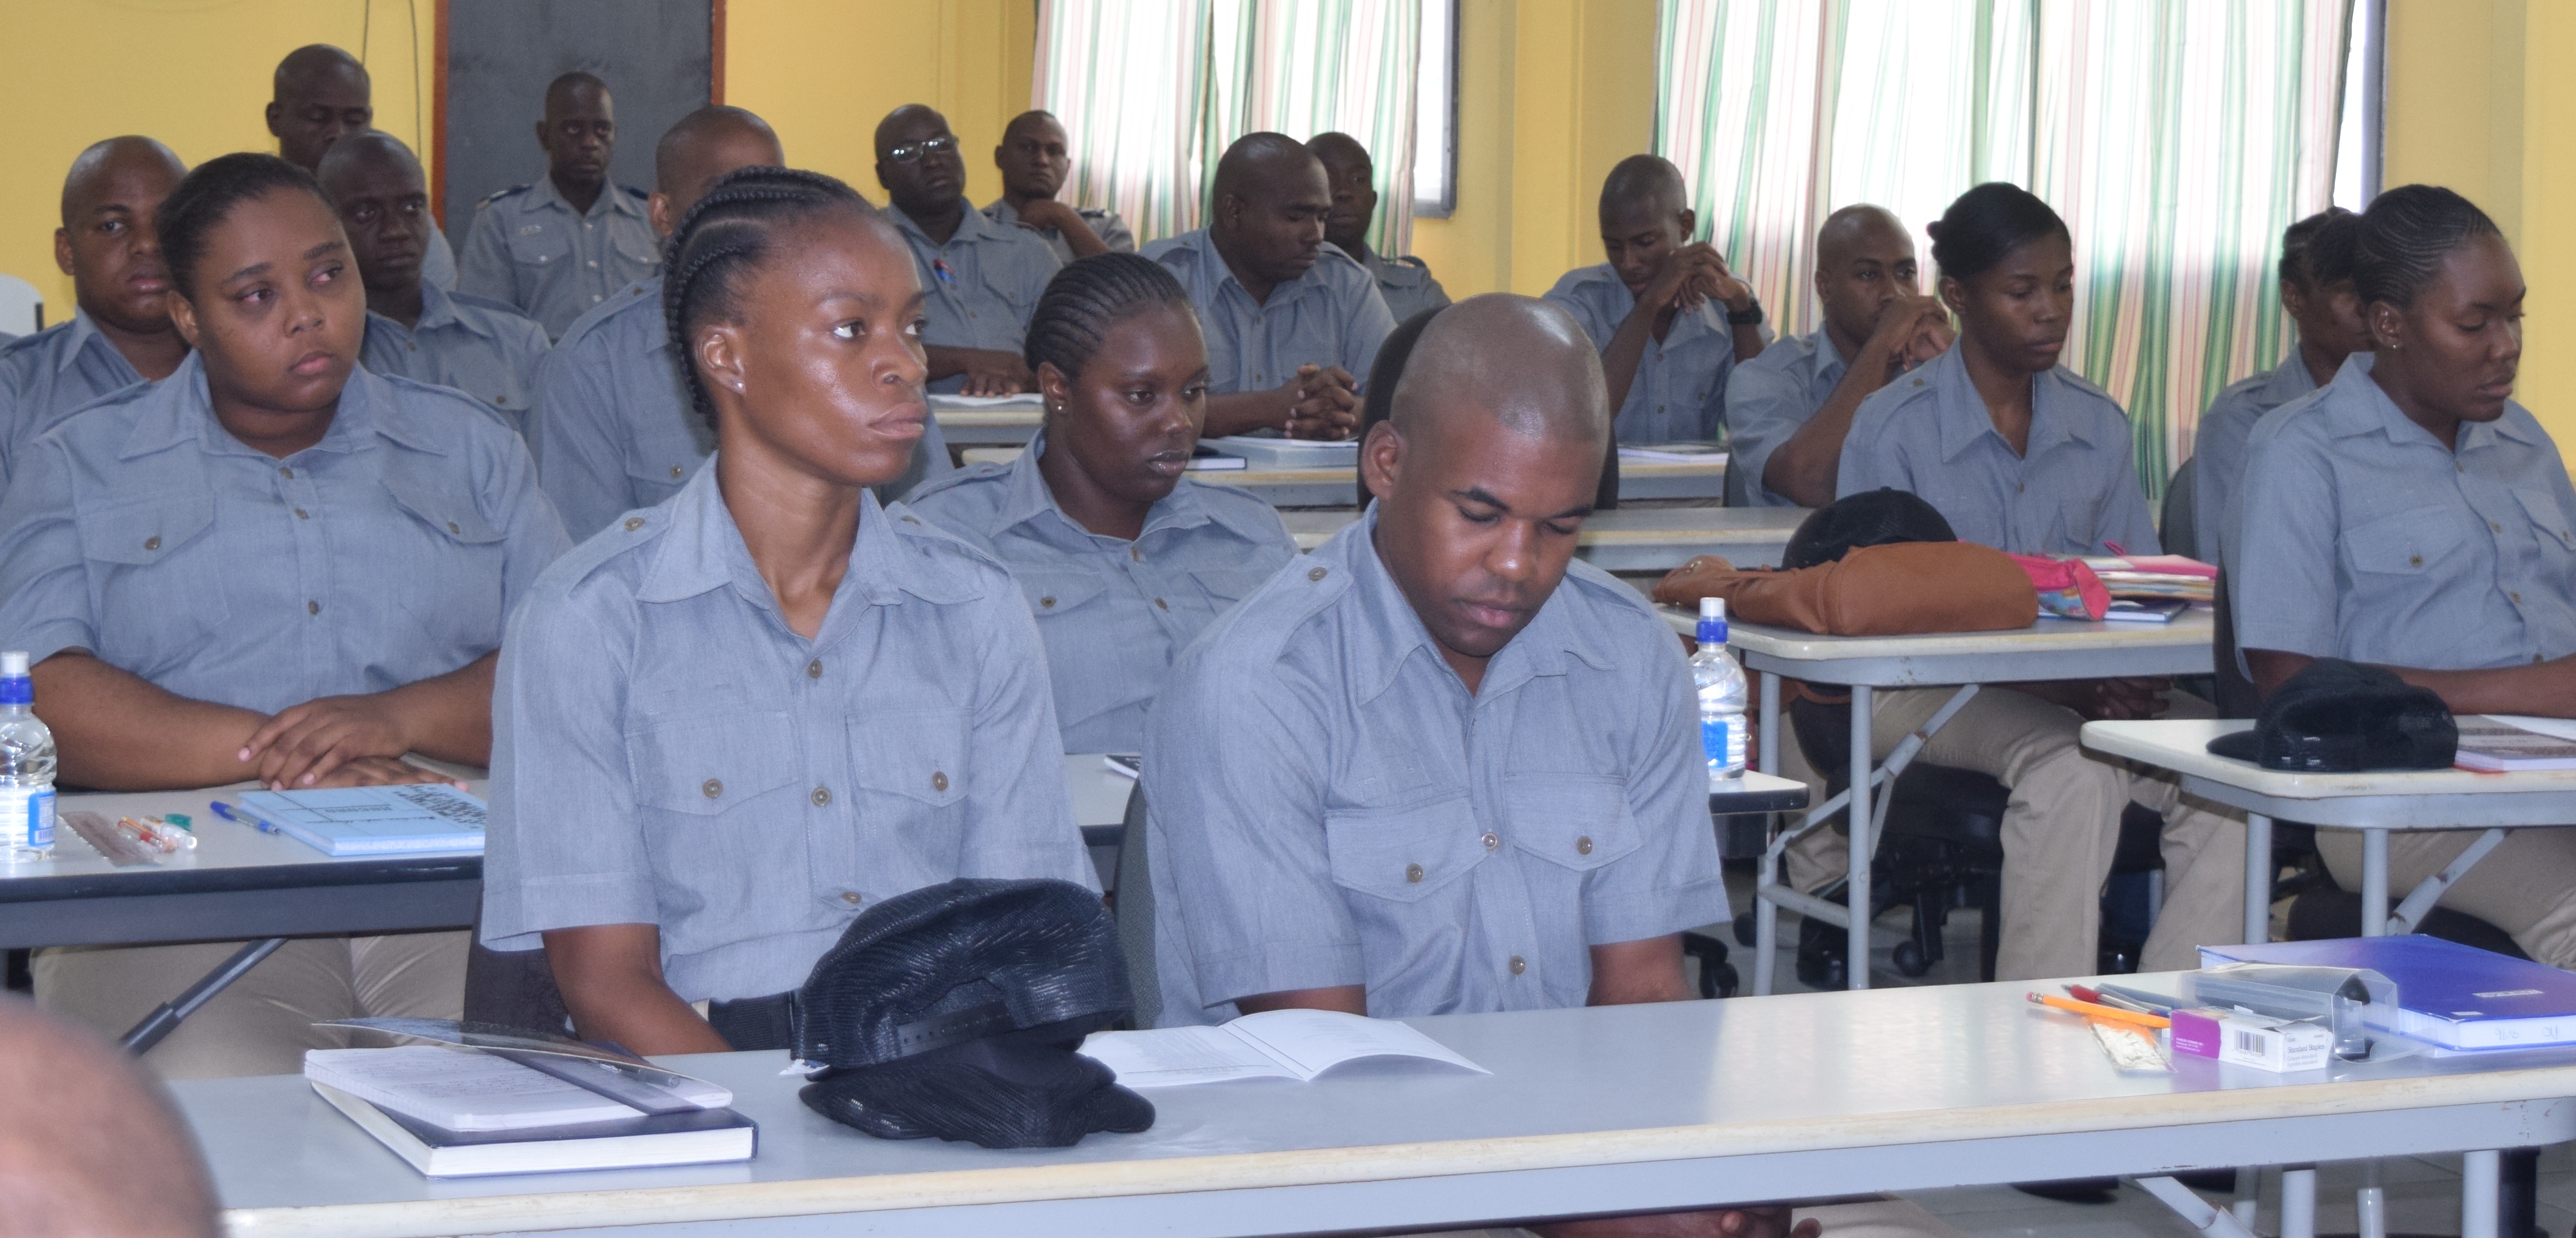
{"x":26,"y":767}
{"x":1721,"y":696}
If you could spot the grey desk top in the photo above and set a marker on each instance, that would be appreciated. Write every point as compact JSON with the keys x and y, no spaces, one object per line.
{"x":2048,"y":649}
{"x":1645,"y":1089}
{"x":2374,"y":799}
{"x":1635,"y":539}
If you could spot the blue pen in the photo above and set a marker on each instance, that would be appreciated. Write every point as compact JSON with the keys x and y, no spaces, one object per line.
{"x":230,"y":813}
{"x":939,"y":267}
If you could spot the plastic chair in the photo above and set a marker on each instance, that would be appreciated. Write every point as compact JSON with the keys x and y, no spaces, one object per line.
{"x":1134,"y":912}
{"x":22,"y":308}
{"x":512,"y":988}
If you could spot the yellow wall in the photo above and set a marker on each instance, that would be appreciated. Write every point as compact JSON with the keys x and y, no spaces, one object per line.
{"x":2478,"y":100}
{"x":1551,"y":94}
{"x":824,"y":72}
{"x":193,"y":73}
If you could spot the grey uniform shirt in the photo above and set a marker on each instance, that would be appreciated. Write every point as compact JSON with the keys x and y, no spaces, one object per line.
{"x":613,"y":429}
{"x":529,"y":248}
{"x":2369,"y":541}
{"x":667,"y":751}
{"x":438,"y":262}
{"x":483,"y":348}
{"x":388,"y":553}
{"x":1331,"y":315}
{"x":1329,"y":806}
{"x":1105,"y":224}
{"x":982,"y":285}
{"x":46,"y":376}
{"x":1679,"y":394}
{"x":1768,"y":400}
{"x":1405,"y":283}
{"x":1113,"y":613}
{"x":2218,"y":453}
{"x":2075,"y":491}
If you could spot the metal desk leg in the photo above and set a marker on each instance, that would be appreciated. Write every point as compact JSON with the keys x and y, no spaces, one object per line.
{"x":1862,"y":845}
{"x":2478,"y":1181}
{"x":2298,"y":1201}
{"x":2374,"y":883}
{"x":2258,"y":878}
{"x":2216,"y":1222}
{"x":165,"y":1020}
{"x":1766,"y":914}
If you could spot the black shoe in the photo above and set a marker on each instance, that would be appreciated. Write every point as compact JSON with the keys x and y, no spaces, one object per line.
{"x":1823,"y":954}
{"x":2073,"y":1190}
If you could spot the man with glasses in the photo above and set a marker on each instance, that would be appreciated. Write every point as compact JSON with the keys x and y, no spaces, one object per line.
{"x":559,"y":247}
{"x":983,"y":278}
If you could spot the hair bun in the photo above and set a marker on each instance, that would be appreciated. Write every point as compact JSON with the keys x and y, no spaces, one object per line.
{"x":1933,"y":229}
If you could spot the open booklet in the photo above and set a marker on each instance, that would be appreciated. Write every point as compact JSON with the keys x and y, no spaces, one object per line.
{"x":2510,"y":742}
{"x":1276,"y":1044}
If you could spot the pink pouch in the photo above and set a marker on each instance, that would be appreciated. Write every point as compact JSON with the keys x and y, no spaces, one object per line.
{"x":2067,"y":588}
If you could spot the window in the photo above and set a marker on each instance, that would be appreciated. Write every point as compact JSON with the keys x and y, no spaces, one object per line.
{"x":1435,"y":117}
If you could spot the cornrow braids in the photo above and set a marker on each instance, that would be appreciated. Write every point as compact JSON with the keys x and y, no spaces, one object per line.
{"x":725,"y":236}
{"x":2317,"y":250}
{"x":206,"y":197}
{"x":1087,"y":298}
{"x":2405,"y":235}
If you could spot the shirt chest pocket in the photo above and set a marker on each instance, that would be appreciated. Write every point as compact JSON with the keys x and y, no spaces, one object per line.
{"x":1018,"y":296}
{"x":636,"y":247}
{"x":2549,"y":524}
{"x":722,"y":824}
{"x":703,"y":764}
{"x":1225,"y":586}
{"x":910,"y":767}
{"x":539,"y":248}
{"x":1053,"y":594}
{"x":2423,"y":542}
{"x":453,"y":584}
{"x":1403,"y":855}
{"x":1573,"y":821}
{"x":152,"y":611}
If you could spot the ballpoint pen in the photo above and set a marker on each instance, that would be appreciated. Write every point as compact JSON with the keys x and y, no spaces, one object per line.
{"x":230,"y":813}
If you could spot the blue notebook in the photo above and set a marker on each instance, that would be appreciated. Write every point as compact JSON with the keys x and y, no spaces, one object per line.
{"x":2448,"y":995}
{"x":403,"y":820}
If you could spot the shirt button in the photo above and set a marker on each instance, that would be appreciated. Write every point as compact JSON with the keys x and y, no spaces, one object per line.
{"x":1135,"y":554}
{"x":938,"y":781}
{"x":1492,"y":840}
{"x":451,"y":527}
{"x":284,"y":471}
{"x":595,"y":300}
{"x":633,"y":523}
{"x":1167,"y":606}
{"x":1314,"y":573}
{"x":675,"y":471}
{"x":1519,"y":965}
{"x":152,"y":543}
{"x":2517,"y":598}
{"x":300,"y":514}
{"x":851,"y":897}
{"x":594,"y":264}
{"x":2493,"y":527}
{"x":1046,"y":601}
{"x":713,"y":787}
{"x":2414,"y":560}
{"x":1413,"y":873}
{"x":1583,"y":845}
{"x":822,"y":797}
{"x":312,"y":608}
{"x":814,"y":669}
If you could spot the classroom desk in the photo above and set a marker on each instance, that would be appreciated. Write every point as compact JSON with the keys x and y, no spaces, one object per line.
{"x":2374,"y":802}
{"x":2048,"y":649}
{"x":987,"y":427}
{"x":1636,"y":539}
{"x":1671,"y":1106}
{"x":1339,"y":486}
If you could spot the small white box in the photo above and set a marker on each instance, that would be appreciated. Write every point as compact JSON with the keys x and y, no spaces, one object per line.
{"x":2259,"y":1041}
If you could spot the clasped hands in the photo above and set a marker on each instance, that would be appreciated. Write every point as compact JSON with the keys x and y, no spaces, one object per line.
{"x":336,"y":741}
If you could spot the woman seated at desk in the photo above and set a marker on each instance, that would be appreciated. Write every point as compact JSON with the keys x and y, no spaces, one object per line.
{"x":2020,"y":454}
{"x":2359,"y":544}
{"x":732,"y":722}
{"x":272,"y":565}
{"x":1122,"y":557}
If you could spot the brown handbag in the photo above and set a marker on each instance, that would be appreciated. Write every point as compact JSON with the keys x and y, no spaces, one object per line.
{"x":1900,"y":589}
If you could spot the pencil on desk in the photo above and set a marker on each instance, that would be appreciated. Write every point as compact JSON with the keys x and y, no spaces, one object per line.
{"x":2099,"y":1011}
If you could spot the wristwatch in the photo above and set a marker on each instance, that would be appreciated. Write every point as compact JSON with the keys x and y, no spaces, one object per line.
{"x":1750,"y":316}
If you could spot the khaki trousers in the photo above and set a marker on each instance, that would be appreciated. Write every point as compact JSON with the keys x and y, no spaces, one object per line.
{"x":2060,"y":829}
{"x":1884,"y":1216}
{"x":2526,"y":886}
{"x":263,"y":1022}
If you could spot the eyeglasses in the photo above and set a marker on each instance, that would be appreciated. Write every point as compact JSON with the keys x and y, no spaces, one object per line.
{"x":912,"y":151}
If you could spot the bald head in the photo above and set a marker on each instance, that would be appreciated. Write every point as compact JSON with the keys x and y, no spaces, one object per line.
{"x":1338,"y":150}
{"x":1857,"y":226}
{"x":133,"y":159}
{"x":570,"y":86}
{"x":319,"y":95}
{"x":1864,"y":263}
{"x":1035,"y":120}
{"x":89,"y":1144}
{"x":1259,"y":165}
{"x":1518,"y":362}
{"x":697,"y":151}
{"x":1643,"y":183}
{"x":373,"y":150}
{"x":1270,"y":200}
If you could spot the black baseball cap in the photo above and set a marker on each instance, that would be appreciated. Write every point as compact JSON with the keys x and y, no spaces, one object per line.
{"x":954,"y":1012}
{"x":2343,"y":717}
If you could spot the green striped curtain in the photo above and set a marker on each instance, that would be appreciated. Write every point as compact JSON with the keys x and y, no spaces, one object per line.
{"x":1161,"y":87}
{"x":2177,"y":137}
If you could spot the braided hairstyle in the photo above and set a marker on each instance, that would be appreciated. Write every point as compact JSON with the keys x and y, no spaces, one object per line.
{"x":726,"y":236}
{"x":2317,"y":251}
{"x":1087,"y":298}
{"x":1986,"y":224}
{"x":206,"y":197}
{"x":2403,"y":238}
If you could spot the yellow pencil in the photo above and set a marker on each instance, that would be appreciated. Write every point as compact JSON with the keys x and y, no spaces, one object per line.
{"x":2099,"y":1011}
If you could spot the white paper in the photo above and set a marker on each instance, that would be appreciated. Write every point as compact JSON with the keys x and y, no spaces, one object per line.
{"x":1288,"y":1044}
{"x":2558,"y":728}
{"x":1023,"y":400}
{"x":459,"y":1089}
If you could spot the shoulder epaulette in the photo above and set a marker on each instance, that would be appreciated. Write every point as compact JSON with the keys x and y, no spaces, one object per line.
{"x":514,"y":189}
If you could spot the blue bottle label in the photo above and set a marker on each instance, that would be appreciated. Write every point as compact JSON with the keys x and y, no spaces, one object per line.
{"x":40,"y":820}
{"x":1715,"y":741}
